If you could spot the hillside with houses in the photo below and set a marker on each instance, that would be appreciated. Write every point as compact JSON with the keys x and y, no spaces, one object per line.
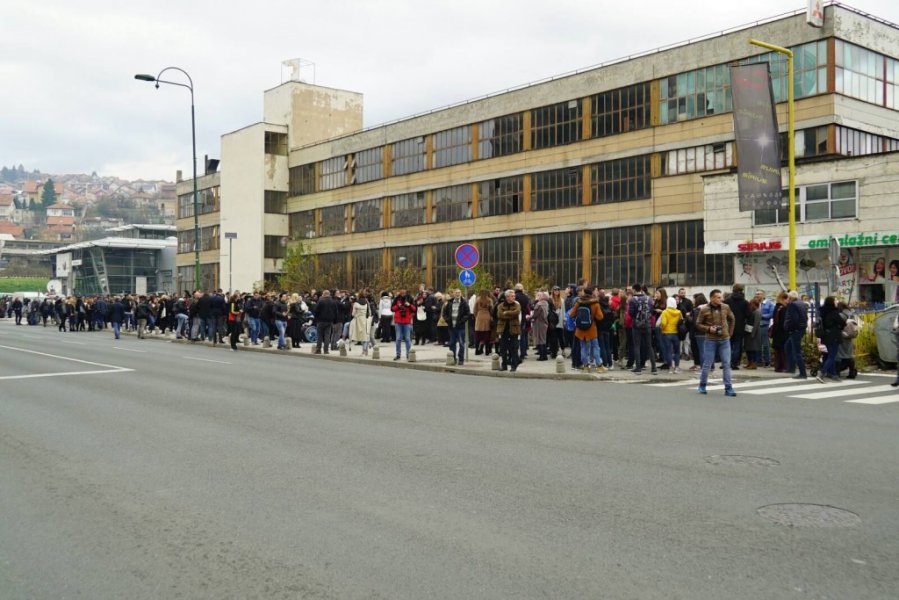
{"x":72,"y":208}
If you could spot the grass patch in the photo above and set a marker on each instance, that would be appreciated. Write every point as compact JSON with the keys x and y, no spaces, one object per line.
{"x":9,"y":285}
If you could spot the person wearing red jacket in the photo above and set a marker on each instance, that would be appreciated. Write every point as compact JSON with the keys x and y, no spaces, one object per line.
{"x":403,"y":308}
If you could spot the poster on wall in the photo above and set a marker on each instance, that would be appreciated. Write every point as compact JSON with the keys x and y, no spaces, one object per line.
{"x":63,"y":264}
{"x":878,"y":275}
{"x":762,"y":270}
{"x":847,"y":271}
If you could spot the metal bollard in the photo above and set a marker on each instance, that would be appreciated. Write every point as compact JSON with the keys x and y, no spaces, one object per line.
{"x":266,"y":342}
{"x":375,"y":353}
{"x":560,"y":364}
{"x":412,"y":355}
{"x":494,"y":362}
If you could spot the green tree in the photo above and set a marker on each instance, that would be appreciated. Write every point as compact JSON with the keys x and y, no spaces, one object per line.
{"x":392,"y":280}
{"x":48,"y":196}
{"x":298,"y":269}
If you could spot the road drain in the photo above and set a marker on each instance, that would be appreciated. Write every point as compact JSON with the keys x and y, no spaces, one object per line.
{"x":809,"y":515}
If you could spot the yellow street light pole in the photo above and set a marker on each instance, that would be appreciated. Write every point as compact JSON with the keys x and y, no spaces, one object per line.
{"x":791,"y":155}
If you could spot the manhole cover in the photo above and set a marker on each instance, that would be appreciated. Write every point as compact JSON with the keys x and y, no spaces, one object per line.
{"x":737,"y":459}
{"x":809,"y":515}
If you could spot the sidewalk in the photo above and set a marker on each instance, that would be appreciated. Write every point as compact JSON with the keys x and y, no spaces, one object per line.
{"x":432,"y":357}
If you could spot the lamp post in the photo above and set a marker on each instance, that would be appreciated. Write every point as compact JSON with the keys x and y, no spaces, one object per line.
{"x":193,"y":134}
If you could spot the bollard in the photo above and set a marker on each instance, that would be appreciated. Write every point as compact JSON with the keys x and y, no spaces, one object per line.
{"x":266,"y":342}
{"x":376,"y":353}
{"x":343,"y":349}
{"x":560,"y":364}
{"x":450,"y":359}
{"x":412,"y":355}
{"x":494,"y":362}
{"x":246,"y":341}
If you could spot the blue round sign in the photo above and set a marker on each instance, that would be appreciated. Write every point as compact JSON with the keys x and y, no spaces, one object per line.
{"x":467,"y":256}
{"x":467,"y":277}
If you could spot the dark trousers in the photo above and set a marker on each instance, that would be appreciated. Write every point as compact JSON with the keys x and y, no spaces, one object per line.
{"x":736,"y":349}
{"x":605,"y":347}
{"x":643,"y":348}
{"x":236,"y":327}
{"x":324,"y":337}
{"x":508,"y":350}
{"x":386,"y":326}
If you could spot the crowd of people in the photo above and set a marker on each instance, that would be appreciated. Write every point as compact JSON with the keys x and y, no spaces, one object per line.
{"x":596,"y":329}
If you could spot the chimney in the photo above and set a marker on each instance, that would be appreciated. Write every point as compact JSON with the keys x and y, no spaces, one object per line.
{"x":178,"y":176}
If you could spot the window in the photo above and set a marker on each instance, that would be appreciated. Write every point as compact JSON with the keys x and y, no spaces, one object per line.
{"x":332,"y":269}
{"x":334,"y":220}
{"x":502,"y":257}
{"x":815,"y":203}
{"x":275,"y":246}
{"x":620,"y":111}
{"x":501,"y":136}
{"x":851,"y":142}
{"x":556,"y":125}
{"x":209,"y":278}
{"x":500,"y":196}
{"x":408,"y":156}
{"x":368,"y":165}
{"x":366,"y":264}
{"x":701,"y":158}
{"x":443,"y":267}
{"x":186,"y":241}
{"x":860,"y":73}
{"x":209,"y":238}
{"x":684,"y":261}
{"x":408,"y":209}
{"x":695,"y":94}
{"x":368,"y":215}
{"x":276,"y":143}
{"x":452,"y":147}
{"x":333,"y":173}
{"x":302,"y":225}
{"x":275,"y":202}
{"x":451,"y":204}
{"x":621,"y":256}
{"x":807,"y":143}
{"x":620,"y":180}
{"x":557,"y":257}
{"x":302,"y":180}
{"x":561,"y":188}
{"x":409,"y":256}
{"x":809,"y":70}
{"x":208,"y":201}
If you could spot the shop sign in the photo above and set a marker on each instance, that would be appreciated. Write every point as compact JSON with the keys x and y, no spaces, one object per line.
{"x":759,"y":246}
{"x":856,"y":240}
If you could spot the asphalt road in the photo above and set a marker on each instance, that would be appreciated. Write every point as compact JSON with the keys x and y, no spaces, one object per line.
{"x":150,"y":472}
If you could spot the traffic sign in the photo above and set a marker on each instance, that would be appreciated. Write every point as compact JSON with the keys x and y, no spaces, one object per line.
{"x":467,"y":256}
{"x":467,"y":277}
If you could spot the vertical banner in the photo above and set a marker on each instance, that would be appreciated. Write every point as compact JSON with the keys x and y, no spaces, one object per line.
{"x":755,"y":130}
{"x":815,"y":13}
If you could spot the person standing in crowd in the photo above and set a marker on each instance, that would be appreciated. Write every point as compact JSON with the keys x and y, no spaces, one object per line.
{"x":421,"y":326}
{"x":483,"y":324}
{"x":669,"y":326}
{"x":385,"y":317}
{"x":555,"y":335}
{"x":326,"y":314}
{"x":752,"y":339}
{"x":234,"y":319}
{"x":297,"y":313}
{"x":456,"y":314}
{"x":659,"y":304}
{"x":360,"y":325}
{"x":846,"y":352}
{"x":404,"y":309}
{"x":570,"y":340}
{"x":778,"y":334}
{"x":253,"y":309}
{"x":540,"y":324}
{"x":586,"y":314}
{"x":604,"y":328}
{"x":697,"y":338}
{"x":280,"y":315}
{"x":832,"y":323}
{"x":142,"y":314}
{"x":640,"y":310}
{"x":116,"y":316}
{"x":717,"y":323}
{"x":508,"y":328}
{"x":524,"y":301}
{"x":17,"y":309}
{"x":766,"y":313}
{"x":795,"y":324}
{"x":739,"y":307}
{"x":218,"y":312}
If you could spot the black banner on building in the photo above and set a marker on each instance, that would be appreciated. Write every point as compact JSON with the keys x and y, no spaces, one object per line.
{"x":755,"y":130}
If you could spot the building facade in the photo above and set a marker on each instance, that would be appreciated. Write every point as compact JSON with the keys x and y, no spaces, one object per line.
{"x":605,"y":174}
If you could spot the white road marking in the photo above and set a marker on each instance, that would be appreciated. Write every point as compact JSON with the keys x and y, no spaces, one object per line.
{"x":876,"y":400}
{"x":806,"y":386}
{"x":70,"y":342}
{"x":108,"y":368}
{"x":750,"y":384}
{"x":680,"y":383}
{"x":838,"y":393}
{"x":221,"y":362}
{"x":127,"y":349}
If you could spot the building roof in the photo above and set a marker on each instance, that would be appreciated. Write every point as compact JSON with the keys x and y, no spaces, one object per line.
{"x":145,"y":227}
{"x":116,"y":242}
{"x":30,"y":187}
{"x":6,"y":199}
{"x":60,"y":205}
{"x":11,"y":229}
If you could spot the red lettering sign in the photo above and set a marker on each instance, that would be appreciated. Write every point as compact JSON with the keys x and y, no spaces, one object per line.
{"x":758,"y":246}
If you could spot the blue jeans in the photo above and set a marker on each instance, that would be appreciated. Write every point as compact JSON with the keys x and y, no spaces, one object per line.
{"x":671,"y":345}
{"x":209,"y":326}
{"x":794,"y":351}
{"x":116,"y":329}
{"x":182,"y":319}
{"x":605,"y":347}
{"x":590,"y":352}
{"x":830,"y":365}
{"x":712,"y":349}
{"x":253,"y":324}
{"x":403,"y":334}
{"x":457,"y":337}
{"x":282,"y":327}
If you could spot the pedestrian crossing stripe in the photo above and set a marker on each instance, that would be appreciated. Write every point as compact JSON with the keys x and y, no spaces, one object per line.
{"x":838,"y":393}
{"x":805,"y":386}
{"x":789,"y":387}
{"x":876,"y":400}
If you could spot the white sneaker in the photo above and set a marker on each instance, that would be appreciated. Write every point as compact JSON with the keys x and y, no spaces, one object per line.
{"x":676,"y":370}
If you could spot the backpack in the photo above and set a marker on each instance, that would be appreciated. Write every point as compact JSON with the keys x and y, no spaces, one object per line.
{"x":850,"y":330}
{"x":643,"y":318}
{"x":583,"y":318}
{"x":552,"y":318}
{"x":681,"y":329}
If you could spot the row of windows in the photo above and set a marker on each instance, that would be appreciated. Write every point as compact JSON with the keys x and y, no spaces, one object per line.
{"x":866,"y":75}
{"x":620,"y":256}
{"x":208,"y":201}
{"x":814,"y":203}
{"x":619,"y":180}
{"x":209,"y":239}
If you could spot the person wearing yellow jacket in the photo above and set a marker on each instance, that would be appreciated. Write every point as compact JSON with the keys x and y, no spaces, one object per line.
{"x":671,"y":318}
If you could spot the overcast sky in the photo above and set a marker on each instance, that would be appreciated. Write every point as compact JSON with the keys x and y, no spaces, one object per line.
{"x":71,"y":103}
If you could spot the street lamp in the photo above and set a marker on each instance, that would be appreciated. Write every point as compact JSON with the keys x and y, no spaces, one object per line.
{"x":193,"y":133}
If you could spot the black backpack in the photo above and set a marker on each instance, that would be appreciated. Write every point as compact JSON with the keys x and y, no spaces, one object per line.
{"x":583,"y":317}
{"x":553,"y":317}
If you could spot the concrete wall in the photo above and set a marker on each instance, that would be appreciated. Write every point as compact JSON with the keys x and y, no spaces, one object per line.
{"x":313,"y":113}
